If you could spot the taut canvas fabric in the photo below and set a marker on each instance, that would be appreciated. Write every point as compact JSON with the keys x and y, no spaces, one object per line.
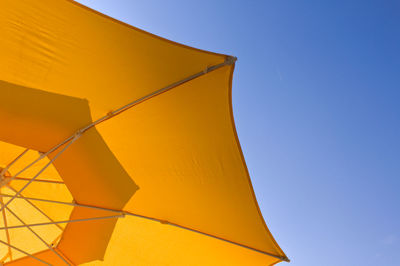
{"x":136,"y":156}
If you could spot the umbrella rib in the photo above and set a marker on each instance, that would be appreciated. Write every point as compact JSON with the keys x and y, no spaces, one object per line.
{"x":34,"y":206}
{"x":68,"y":142}
{"x":62,"y":254}
{"x":37,"y":235}
{"x":66,"y":221}
{"x":229,"y":60}
{"x":38,"y":180}
{"x":55,"y":242}
{"x":3,"y":259}
{"x":24,"y":252}
{"x":5,"y":169}
{"x":154,"y":219}
{"x":209,"y":235}
{"x":65,"y":203}
{"x":7,"y":232}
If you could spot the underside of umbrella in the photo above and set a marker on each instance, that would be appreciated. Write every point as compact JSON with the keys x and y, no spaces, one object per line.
{"x":118,"y":147}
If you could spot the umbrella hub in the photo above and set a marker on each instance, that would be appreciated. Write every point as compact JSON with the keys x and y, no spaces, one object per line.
{"x":5,"y":177}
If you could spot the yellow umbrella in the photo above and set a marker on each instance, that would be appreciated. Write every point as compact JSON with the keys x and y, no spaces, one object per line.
{"x":118,"y":147}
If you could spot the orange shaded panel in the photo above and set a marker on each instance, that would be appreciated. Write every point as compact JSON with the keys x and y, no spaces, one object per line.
{"x":92,"y":173}
{"x":88,"y":240}
{"x":38,"y":119}
{"x":47,"y":256}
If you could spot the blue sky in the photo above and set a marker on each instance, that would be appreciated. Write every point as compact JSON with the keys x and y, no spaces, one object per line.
{"x":316,"y":97}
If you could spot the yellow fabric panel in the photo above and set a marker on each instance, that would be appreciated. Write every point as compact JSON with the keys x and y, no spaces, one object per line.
{"x":58,"y":46}
{"x":4,"y":250}
{"x":49,"y":191}
{"x":46,"y":255}
{"x":44,"y":190}
{"x":22,"y":237}
{"x":181,"y":149}
{"x":137,"y":241}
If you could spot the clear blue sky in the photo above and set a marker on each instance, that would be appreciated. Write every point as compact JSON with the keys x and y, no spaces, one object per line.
{"x":316,"y":97}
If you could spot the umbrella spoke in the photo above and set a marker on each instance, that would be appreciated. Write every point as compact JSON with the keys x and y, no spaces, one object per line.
{"x":4,"y":170}
{"x":132,"y":214}
{"x":39,"y":180}
{"x":230,"y":60}
{"x":68,"y":142}
{"x":62,"y":254}
{"x":64,"y":202}
{"x":3,"y":259}
{"x":205,"y":234}
{"x":7,"y":232}
{"x":36,"y":234}
{"x":24,"y":252}
{"x":55,"y":241}
{"x":66,"y":221}
{"x":34,"y":206}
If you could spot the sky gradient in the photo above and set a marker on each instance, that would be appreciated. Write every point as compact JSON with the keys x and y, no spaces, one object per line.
{"x":316,"y":97}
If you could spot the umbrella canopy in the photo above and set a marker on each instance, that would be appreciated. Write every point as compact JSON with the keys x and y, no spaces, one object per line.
{"x":118,"y":147}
